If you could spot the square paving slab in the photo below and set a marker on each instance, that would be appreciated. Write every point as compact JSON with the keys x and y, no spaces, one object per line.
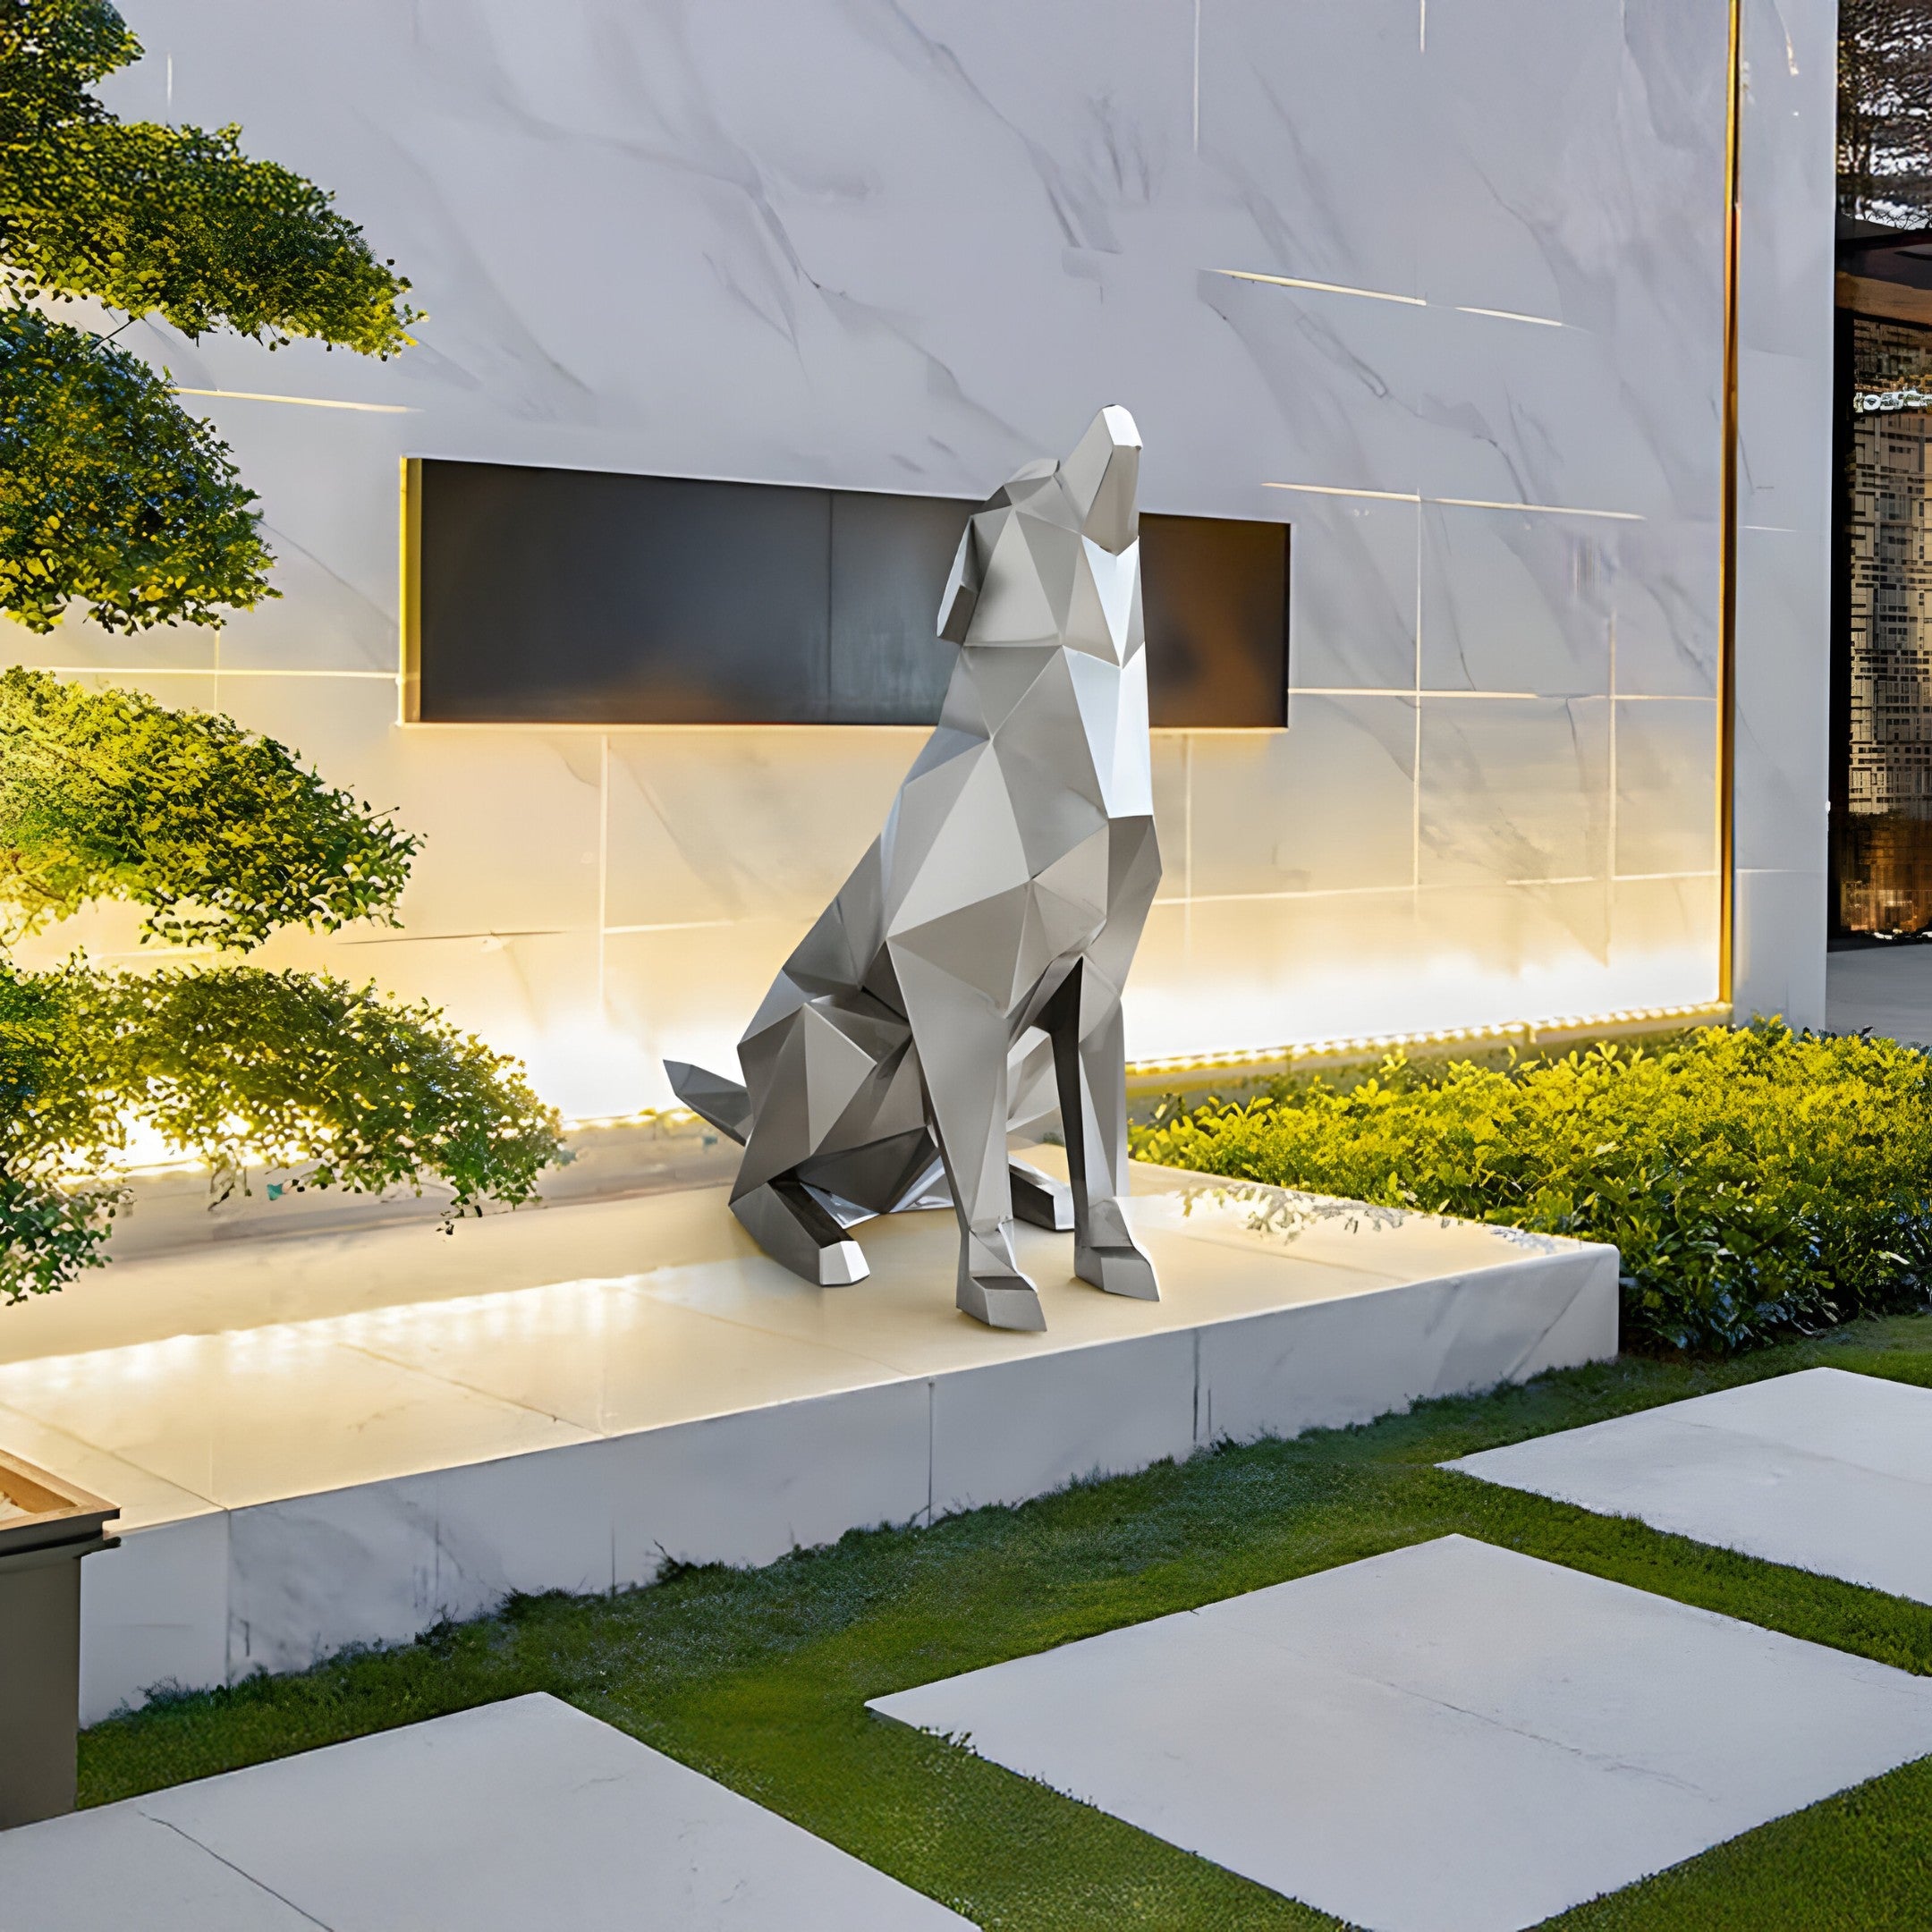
{"x":517,"y":1818}
{"x":1449,"y":1738}
{"x":1825,"y":1470}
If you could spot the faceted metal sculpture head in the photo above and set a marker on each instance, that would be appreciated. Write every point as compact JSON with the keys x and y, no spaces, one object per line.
{"x":985,"y":938}
{"x":1029,"y":542}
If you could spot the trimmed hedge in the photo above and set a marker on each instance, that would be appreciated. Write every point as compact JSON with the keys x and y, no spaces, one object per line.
{"x":1757,"y":1181}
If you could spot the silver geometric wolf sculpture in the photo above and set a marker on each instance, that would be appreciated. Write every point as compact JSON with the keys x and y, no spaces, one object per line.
{"x":974,"y":960}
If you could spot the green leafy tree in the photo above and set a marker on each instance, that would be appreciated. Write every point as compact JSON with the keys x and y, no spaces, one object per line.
{"x":330,"y":1082}
{"x":114,"y":496}
{"x":116,"y":500}
{"x":110,"y":493}
{"x":222,"y":835}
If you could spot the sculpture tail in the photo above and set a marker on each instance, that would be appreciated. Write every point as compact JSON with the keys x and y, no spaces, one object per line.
{"x":724,"y":1103}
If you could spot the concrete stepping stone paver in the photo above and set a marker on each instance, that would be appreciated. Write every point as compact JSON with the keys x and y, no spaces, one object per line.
{"x":1448,"y":1738}
{"x":522,"y":1815}
{"x":1822,"y":1470}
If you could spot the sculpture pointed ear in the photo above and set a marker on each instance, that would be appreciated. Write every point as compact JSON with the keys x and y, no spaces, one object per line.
{"x":1101,"y":476}
{"x":963,"y":587}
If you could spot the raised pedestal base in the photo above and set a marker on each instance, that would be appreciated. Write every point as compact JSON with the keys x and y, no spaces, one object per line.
{"x":344,"y":1438}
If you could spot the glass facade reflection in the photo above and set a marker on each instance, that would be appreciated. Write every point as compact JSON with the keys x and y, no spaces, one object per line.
{"x":1884,"y":832}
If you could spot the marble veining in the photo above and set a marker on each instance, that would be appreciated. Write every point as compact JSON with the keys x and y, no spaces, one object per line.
{"x":644,"y":246}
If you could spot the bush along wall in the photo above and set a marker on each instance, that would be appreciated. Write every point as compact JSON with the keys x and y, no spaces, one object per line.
{"x":1756,"y":1180}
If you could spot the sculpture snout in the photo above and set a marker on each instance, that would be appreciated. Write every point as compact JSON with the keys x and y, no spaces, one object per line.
{"x":1102,"y":478}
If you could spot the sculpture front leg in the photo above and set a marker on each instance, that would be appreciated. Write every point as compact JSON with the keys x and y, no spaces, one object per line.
{"x":1090,"y":1058}
{"x":961,"y":1041}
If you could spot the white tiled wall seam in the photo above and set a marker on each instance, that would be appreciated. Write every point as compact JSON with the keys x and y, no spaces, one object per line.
{"x":1447,"y":298}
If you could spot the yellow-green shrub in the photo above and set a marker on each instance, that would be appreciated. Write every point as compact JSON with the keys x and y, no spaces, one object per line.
{"x":1754,"y":1179}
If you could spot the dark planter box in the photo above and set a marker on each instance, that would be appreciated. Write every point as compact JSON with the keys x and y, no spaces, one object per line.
{"x":46,"y":1526}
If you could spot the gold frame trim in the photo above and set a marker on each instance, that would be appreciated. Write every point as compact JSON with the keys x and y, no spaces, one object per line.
{"x":1728,"y":537}
{"x":409,"y":601}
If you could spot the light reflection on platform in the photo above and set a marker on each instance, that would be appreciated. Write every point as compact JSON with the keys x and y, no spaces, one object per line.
{"x":344,"y":1438}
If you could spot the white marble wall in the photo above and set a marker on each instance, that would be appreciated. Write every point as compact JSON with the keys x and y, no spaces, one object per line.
{"x":905,"y":244}
{"x":1784,"y":502}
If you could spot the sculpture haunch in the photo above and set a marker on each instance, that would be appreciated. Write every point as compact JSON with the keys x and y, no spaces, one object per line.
{"x":1001,"y":902}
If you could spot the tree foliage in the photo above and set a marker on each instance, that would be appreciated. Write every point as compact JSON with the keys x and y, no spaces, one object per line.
{"x":1754,"y":1179}
{"x":58,"y":1193}
{"x":225,"y":837}
{"x":112,"y":494}
{"x":113,"y":497}
{"x":176,"y":222}
{"x":222,"y":834}
{"x":238,"y":1066}
{"x":1884,"y":110}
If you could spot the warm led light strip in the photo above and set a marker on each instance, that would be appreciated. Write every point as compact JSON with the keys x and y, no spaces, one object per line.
{"x":304,"y":401}
{"x":1511,"y":315}
{"x":1359,"y":1043}
{"x":1324,"y":288}
{"x":1356,"y":1043}
{"x":1539,"y":508}
{"x":1338,"y":489}
{"x":1710,"y":1011}
{"x":1369,"y":295}
{"x":1460,"y":503}
{"x":209,"y":671}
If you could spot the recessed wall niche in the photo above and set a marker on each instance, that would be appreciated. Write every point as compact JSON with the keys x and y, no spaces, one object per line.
{"x":542,"y":595}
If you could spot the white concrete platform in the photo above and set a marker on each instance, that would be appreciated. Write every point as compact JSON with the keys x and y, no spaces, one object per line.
{"x":1824,"y":1470}
{"x":342,"y":1438}
{"x":1449,"y":1738}
{"x":518,"y":1816}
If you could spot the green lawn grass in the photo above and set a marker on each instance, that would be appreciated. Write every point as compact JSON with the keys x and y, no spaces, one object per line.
{"x":760,"y":1677}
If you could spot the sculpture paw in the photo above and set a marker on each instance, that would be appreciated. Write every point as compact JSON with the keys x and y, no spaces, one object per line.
{"x":1122,"y":1271}
{"x":841,"y":1264}
{"x":1001,"y":1301}
{"x":1110,"y":1258}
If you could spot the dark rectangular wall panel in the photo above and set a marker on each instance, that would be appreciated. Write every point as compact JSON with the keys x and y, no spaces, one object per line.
{"x":572,"y":597}
{"x":1215,"y":595}
{"x":579,"y":597}
{"x":890,"y":556}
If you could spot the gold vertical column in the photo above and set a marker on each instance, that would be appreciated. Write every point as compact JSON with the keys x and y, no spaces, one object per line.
{"x":1728,"y":534}
{"x":408,"y":595}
